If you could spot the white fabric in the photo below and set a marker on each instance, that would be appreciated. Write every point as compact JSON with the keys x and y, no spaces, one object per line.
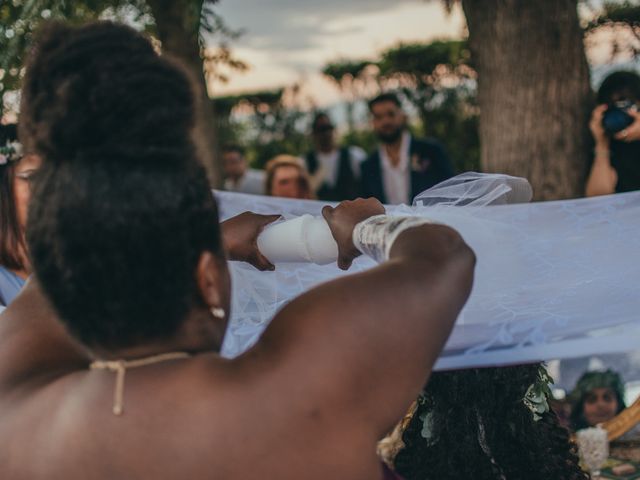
{"x":302,"y":239}
{"x":253,"y":182}
{"x":376,"y":235}
{"x":553,"y":279}
{"x":476,"y":189}
{"x":328,"y":164}
{"x":396,"y":178}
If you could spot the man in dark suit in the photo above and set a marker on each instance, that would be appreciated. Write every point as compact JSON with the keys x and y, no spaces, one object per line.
{"x":334,"y":170}
{"x":403,"y":166}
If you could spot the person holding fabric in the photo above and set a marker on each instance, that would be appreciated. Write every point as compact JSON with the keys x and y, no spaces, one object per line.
{"x":108,"y":364}
{"x":403,"y":166}
{"x":16,"y":175}
{"x":16,"y":172}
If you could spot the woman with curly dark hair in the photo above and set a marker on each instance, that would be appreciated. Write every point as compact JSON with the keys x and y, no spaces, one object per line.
{"x":116,"y":372}
{"x":487,"y":424}
{"x":596,"y":398}
{"x":16,"y":171}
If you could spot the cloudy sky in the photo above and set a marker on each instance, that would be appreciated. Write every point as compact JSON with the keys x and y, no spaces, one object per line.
{"x":287,"y":41}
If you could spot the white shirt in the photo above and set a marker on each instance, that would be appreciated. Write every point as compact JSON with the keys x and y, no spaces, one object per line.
{"x":251,"y":182}
{"x":396,"y":179}
{"x":328,"y":165}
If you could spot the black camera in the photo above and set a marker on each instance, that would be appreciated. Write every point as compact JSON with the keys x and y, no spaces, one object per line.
{"x":616,"y":117}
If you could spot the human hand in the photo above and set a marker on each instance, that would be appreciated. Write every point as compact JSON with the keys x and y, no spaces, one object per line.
{"x":632,"y":132}
{"x":595,"y":125}
{"x":342,"y":220}
{"x":240,"y":237}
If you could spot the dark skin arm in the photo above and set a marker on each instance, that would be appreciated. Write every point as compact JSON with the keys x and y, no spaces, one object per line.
{"x":346,"y":358}
{"x":355,"y":352}
{"x":240,"y":235}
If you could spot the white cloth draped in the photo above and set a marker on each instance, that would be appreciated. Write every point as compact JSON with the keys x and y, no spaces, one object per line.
{"x":553,"y":279}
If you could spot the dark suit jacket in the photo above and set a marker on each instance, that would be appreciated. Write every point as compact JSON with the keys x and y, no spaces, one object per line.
{"x":428,"y":164}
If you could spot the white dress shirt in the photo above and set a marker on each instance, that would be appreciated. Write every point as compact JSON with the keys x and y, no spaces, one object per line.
{"x":253,"y":181}
{"x":396,"y":179}
{"x":329,"y":162}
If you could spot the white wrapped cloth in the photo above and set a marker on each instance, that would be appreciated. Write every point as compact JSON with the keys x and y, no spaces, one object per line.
{"x":553,"y":279}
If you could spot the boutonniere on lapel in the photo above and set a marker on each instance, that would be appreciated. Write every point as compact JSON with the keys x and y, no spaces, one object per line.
{"x":419,"y":164}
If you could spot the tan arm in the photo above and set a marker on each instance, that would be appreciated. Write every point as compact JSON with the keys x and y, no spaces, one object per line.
{"x":603,"y":177}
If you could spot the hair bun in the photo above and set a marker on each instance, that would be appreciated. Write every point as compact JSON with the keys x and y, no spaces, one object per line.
{"x":100,"y":86}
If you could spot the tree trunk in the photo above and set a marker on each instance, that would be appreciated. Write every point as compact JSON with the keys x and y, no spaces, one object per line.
{"x":533,"y":91}
{"x":178,"y":25}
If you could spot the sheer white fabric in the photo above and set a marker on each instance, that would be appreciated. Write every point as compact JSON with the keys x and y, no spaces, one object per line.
{"x":553,"y":279}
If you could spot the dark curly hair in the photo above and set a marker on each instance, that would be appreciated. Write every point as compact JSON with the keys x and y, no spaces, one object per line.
{"x":623,"y":82}
{"x":12,"y":242}
{"x":586,"y":383}
{"x":474,"y":424}
{"x":121,"y":210}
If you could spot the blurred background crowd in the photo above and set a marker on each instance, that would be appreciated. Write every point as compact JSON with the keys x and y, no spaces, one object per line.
{"x":425,"y":90}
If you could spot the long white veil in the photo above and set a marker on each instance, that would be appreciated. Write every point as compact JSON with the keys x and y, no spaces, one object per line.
{"x":553,"y":279}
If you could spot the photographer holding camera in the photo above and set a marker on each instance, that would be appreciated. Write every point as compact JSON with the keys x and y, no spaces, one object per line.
{"x":615,"y":126}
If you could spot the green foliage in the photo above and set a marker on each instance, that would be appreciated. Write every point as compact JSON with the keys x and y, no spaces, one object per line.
{"x":422,"y":61}
{"x":20,"y":18}
{"x":352,"y":78}
{"x":438,"y":80}
{"x":455,"y":122}
{"x":270,"y":129}
{"x":343,"y":72}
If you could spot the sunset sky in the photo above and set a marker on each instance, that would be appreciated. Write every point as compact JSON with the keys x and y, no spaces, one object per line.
{"x":288,"y":41}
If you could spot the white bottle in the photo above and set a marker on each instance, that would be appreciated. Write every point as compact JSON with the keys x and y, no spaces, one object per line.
{"x":302,"y":239}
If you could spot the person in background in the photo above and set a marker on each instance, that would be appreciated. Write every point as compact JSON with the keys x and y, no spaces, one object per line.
{"x":615,"y":126}
{"x":403,"y":166}
{"x":597,"y":397}
{"x":16,"y":172}
{"x":111,"y":370}
{"x":287,"y":177}
{"x":486,"y":424}
{"x":335,"y":171}
{"x":238,"y":177}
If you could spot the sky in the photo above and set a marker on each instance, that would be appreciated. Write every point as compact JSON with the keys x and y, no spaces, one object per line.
{"x":289,"y":41}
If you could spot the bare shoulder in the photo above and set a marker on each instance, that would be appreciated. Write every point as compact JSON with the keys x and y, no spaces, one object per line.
{"x":33,"y":342}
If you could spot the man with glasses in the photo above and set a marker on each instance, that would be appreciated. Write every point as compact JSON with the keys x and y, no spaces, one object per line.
{"x":335,"y":171}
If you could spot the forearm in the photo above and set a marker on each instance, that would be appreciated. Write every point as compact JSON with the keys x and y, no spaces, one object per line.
{"x":602,"y":177}
{"x":229,"y":240}
{"x":375,"y":336}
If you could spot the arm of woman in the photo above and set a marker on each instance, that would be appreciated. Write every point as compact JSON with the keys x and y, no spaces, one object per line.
{"x":355,"y":352}
{"x":602,"y":177}
{"x":240,"y":237}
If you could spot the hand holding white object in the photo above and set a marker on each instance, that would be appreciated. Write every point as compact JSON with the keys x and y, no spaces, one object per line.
{"x":302,"y":239}
{"x":318,"y":240}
